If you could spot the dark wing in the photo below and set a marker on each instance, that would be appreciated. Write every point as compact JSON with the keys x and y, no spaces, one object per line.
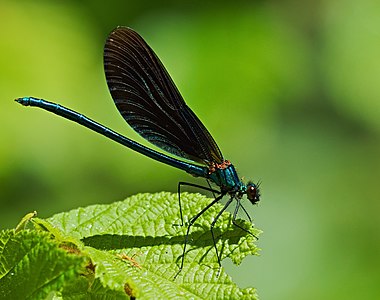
{"x":149,"y":101}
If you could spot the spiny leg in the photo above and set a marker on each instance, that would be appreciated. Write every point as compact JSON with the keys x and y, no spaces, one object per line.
{"x":212,"y":228}
{"x":246,"y":213}
{"x":192,"y":221}
{"x":238,"y":204}
{"x":181,"y":183}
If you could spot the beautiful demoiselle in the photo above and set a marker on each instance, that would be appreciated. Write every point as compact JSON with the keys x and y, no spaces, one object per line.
{"x":149,"y":101}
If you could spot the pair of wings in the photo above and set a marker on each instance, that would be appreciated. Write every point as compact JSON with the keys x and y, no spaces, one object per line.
{"x":149,"y":101}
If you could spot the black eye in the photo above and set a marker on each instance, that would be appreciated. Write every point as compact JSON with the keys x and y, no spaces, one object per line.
{"x":253,"y":193}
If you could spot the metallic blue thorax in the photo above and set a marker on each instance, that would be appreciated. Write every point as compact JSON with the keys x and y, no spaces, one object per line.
{"x":227,"y":179}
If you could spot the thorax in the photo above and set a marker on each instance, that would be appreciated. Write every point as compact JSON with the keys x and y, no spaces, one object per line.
{"x":225,"y":176}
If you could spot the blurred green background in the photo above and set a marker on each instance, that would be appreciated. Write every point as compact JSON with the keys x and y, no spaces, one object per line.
{"x":289,"y":89}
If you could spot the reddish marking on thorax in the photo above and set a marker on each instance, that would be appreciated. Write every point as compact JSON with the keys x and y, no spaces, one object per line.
{"x":214,"y":166}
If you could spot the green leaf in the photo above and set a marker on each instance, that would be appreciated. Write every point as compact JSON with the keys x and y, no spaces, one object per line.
{"x":143,"y":230}
{"x":128,"y":249}
{"x":32,"y":265}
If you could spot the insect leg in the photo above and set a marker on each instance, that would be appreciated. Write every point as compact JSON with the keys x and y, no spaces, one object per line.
{"x":182,"y":183}
{"x":238,"y":205}
{"x":192,"y":221}
{"x":213,"y":224}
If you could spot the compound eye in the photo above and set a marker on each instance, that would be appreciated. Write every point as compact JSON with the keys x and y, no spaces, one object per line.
{"x":252,"y":193}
